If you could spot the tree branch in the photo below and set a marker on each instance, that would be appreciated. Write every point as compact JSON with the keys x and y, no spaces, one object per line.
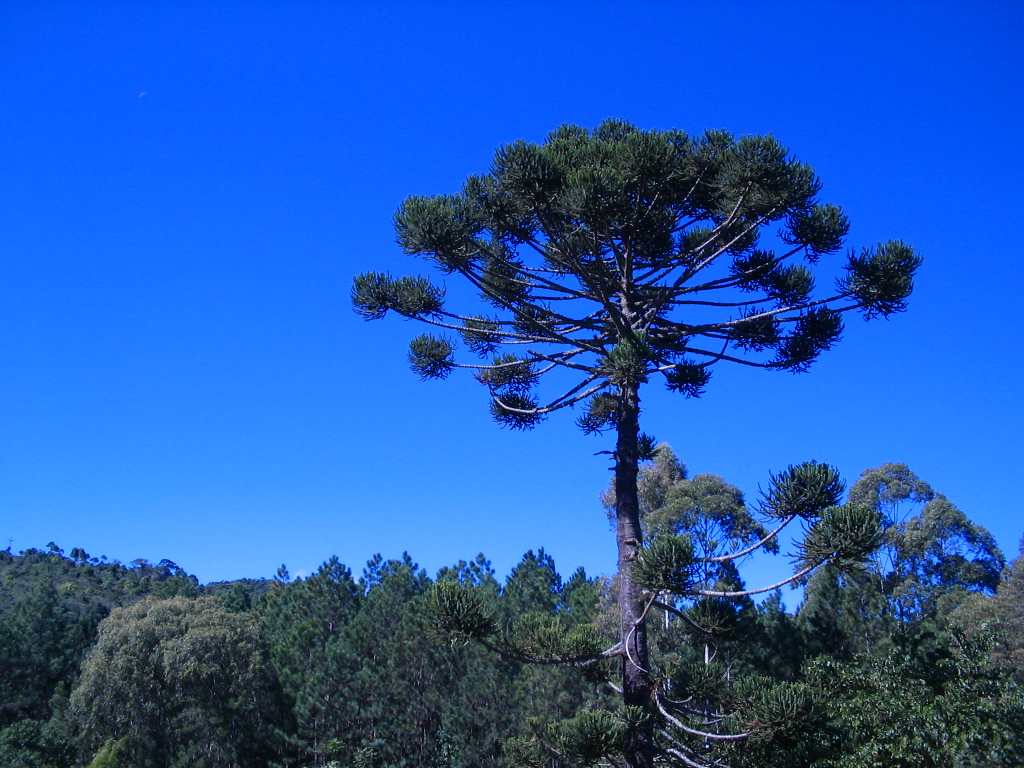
{"x":581,"y":660}
{"x":747,"y":592}
{"x":693,"y":731}
{"x":726,"y":558}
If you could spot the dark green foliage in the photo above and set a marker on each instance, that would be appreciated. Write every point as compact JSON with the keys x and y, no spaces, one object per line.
{"x":929,"y":564}
{"x":442,"y":225}
{"x":731,"y":671}
{"x":50,"y":607}
{"x":373,"y":294}
{"x":481,"y":334}
{"x":589,"y":737}
{"x":580,"y":597}
{"x":431,"y":356}
{"x":508,"y":375}
{"x":303,"y":625}
{"x":515,"y":410}
{"x":458,"y":612}
{"x":342,"y":652}
{"x":524,"y":752}
{"x":348,"y":652}
{"x":753,"y":332}
{"x":930,"y":555}
{"x":600,"y":414}
{"x":881,"y":279}
{"x":666,"y":565}
{"x":543,"y":637}
{"x":657,"y":485}
{"x":689,"y":379}
{"x":330,"y":670}
{"x":772,"y":642}
{"x":816,"y":330}
{"x":886,"y":487}
{"x":109,"y":755}
{"x":706,"y":507}
{"x":1003,"y":614}
{"x":364,"y":685}
{"x":844,"y":614}
{"x":42,"y":642}
{"x":939,"y":549}
{"x":900,"y":710}
{"x":846,"y":535}
{"x":820,"y":230}
{"x":600,"y":244}
{"x":805,"y":490}
{"x":236,"y":599}
{"x":748,"y":664}
{"x":777,"y":712}
{"x":36,"y":744}
{"x":184,"y":682}
{"x":90,"y":581}
{"x":239,"y":595}
{"x":386,"y":676}
{"x":533,"y":585}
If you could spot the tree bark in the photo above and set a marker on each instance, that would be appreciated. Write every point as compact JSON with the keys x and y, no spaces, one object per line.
{"x":636,"y":680}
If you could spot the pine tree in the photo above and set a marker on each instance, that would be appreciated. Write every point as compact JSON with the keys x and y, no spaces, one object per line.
{"x":615,"y":256}
{"x":304,"y":624}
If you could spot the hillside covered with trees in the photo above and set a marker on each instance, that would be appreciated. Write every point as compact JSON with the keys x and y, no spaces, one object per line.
{"x":914,"y":659}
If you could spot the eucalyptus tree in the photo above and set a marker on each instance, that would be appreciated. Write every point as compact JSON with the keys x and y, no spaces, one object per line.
{"x":178,"y":682}
{"x":1006,"y":610}
{"x":935,"y":552}
{"x":607,"y":258}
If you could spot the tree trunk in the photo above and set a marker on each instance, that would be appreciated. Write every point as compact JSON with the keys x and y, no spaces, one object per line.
{"x":636,"y":680}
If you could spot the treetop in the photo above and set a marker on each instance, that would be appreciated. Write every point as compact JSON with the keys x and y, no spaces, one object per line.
{"x":618,"y":254}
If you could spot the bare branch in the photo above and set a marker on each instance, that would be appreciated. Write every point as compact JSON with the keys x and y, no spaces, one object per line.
{"x":581,"y":660}
{"x":682,"y":615}
{"x":684,"y":759}
{"x":549,"y":335}
{"x":550,"y":408}
{"x":693,"y":731}
{"x":556,"y":359}
{"x":747,"y":592}
{"x":726,"y":558}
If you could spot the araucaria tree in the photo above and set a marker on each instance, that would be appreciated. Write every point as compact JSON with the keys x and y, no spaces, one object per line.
{"x":606,"y":259}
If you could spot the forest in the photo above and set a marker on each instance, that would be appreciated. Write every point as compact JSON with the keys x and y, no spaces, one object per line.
{"x":914,"y":658}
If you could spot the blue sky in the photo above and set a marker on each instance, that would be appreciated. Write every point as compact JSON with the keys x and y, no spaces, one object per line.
{"x":186,"y":191}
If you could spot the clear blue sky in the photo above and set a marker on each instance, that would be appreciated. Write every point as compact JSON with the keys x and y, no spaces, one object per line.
{"x":187,"y":189}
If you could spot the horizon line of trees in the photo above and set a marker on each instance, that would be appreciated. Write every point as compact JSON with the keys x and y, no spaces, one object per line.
{"x":915,"y":660}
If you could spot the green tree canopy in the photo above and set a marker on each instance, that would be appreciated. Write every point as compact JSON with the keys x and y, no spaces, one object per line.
{"x":182,"y":682}
{"x":929,"y":553}
{"x":1002,"y":613}
{"x":907,"y":711}
{"x":892,"y":489}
